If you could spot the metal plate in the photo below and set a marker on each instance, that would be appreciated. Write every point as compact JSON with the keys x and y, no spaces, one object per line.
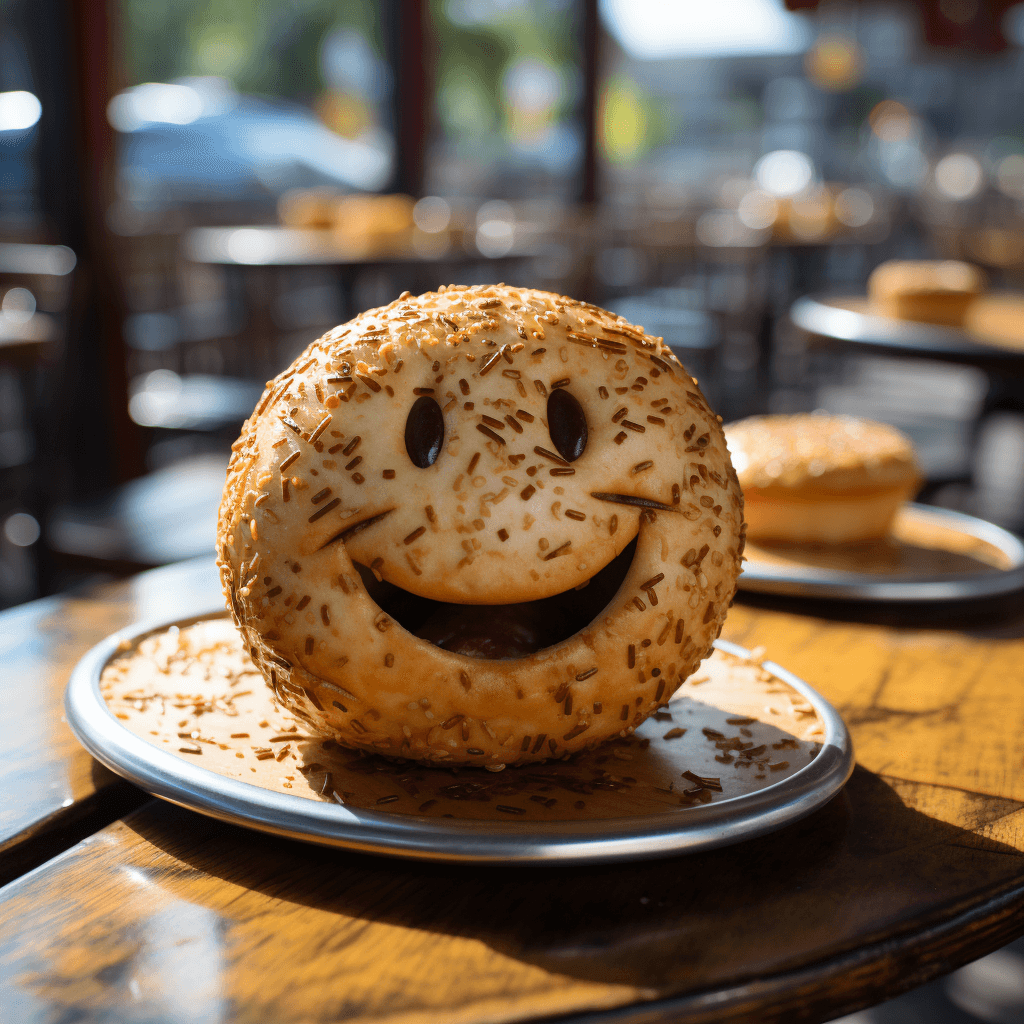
{"x":685,"y":830}
{"x":847,"y":319}
{"x":785,"y":575}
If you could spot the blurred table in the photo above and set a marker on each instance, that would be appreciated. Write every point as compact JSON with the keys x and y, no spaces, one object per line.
{"x":166,"y":516}
{"x":847,"y":321}
{"x":256,"y":259}
{"x":159,"y":914}
{"x":272,"y":246}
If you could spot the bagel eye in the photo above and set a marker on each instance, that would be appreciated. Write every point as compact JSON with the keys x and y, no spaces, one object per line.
{"x":424,"y":432}
{"x":567,"y":425}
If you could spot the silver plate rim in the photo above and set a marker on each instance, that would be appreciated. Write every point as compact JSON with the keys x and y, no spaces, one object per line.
{"x":450,"y":840}
{"x":853,"y":586}
{"x":816,"y":315}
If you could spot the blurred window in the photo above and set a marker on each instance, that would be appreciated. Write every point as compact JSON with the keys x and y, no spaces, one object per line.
{"x":233,"y":104}
{"x":507,"y":90}
{"x":683,"y":100}
{"x":20,"y":111}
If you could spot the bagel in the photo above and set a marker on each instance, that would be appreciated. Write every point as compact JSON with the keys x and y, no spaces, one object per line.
{"x":931,"y":291}
{"x":485,"y":525}
{"x":811,"y":478}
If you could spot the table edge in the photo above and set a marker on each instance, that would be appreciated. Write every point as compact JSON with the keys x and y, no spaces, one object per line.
{"x":801,"y":993}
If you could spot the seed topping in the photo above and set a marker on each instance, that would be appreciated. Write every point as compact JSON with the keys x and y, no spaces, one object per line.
{"x":490,"y":433}
{"x":333,"y":503}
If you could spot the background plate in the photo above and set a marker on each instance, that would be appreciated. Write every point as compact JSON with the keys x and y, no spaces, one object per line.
{"x":667,"y":829}
{"x":937,"y":555}
{"x":849,"y":321}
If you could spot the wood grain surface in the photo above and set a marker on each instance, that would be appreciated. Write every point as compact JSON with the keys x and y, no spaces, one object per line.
{"x":50,"y":784}
{"x":917,"y":867}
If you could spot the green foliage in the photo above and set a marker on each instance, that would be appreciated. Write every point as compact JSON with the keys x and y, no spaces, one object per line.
{"x":271,"y":46}
{"x":472,"y":56}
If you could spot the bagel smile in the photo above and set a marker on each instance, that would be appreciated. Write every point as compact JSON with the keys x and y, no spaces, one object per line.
{"x":351,"y":531}
{"x":500,"y":632}
{"x":636,"y":500}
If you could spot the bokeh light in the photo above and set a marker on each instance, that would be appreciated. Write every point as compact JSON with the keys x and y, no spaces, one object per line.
{"x":495,"y":228}
{"x":623,"y":120}
{"x":891,"y":121}
{"x":21,"y":529}
{"x":896,"y":144}
{"x":1010,"y":175}
{"x":431,"y":214}
{"x":18,"y":305}
{"x":156,"y":395}
{"x":758,"y":210}
{"x":810,"y":216}
{"x":786,"y":172}
{"x":532,"y":90}
{"x":834,"y":63}
{"x":154,"y":103}
{"x":249,"y":245}
{"x":959,"y":176}
{"x":357,"y":82}
{"x":854,"y":207}
{"x":654,"y":29}
{"x":19,"y":110}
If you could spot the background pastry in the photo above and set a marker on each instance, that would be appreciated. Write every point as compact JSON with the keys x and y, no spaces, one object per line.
{"x":997,"y":319}
{"x":934,"y":291}
{"x":818,"y":479}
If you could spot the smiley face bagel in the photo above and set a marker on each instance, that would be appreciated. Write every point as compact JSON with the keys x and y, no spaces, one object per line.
{"x":486,"y":525}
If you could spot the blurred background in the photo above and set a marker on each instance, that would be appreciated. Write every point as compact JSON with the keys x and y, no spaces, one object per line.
{"x":191,"y":192}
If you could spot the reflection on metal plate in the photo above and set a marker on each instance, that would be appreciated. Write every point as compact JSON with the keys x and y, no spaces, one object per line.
{"x":849,"y":320}
{"x":933,"y":554}
{"x":743,"y":748}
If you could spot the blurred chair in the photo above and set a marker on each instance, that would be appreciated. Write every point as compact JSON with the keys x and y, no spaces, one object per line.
{"x":35,"y":283}
{"x":196,"y":402}
{"x":190,"y":412}
{"x":166,"y":516}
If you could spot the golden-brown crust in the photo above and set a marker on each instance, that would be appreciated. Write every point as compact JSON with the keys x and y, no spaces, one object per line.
{"x":925,"y":277}
{"x":821,"y":518}
{"x":487,"y":523}
{"x":997,"y":319}
{"x":932,"y":291}
{"x":815,"y":478}
{"x":819,"y":452}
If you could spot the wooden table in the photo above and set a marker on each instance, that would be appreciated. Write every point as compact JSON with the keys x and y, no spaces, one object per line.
{"x":154,"y":913}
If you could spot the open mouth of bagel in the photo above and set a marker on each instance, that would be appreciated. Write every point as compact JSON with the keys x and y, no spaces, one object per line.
{"x":500,"y":632}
